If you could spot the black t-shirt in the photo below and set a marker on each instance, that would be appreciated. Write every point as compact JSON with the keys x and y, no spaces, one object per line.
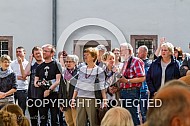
{"x":33,"y":92}
{"x":47,"y":71}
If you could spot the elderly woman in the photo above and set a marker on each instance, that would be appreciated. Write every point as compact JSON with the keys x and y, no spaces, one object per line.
{"x":163,"y":69}
{"x":7,"y":81}
{"x":67,"y":87}
{"x":111,"y":77}
{"x":85,"y":88}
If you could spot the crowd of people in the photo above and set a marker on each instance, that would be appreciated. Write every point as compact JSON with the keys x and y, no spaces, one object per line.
{"x":106,"y":79}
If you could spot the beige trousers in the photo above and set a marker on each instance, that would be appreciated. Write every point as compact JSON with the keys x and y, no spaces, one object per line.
{"x":70,"y":117}
{"x":86,"y":109}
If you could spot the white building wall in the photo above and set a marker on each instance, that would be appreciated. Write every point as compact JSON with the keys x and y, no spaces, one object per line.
{"x":168,"y":18}
{"x":28,"y":21}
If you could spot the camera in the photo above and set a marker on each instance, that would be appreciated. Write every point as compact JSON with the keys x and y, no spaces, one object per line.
{"x":44,"y":84}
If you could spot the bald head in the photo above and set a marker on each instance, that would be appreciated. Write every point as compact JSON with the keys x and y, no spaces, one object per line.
{"x":142,"y":52}
{"x":175,"y":103}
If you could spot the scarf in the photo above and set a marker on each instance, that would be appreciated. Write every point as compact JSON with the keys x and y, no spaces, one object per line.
{"x":5,"y":73}
{"x":68,"y":74}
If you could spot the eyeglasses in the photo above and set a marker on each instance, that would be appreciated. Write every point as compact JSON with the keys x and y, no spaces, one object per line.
{"x":123,"y":50}
{"x":116,"y":53}
{"x":46,"y":51}
{"x":69,"y":61}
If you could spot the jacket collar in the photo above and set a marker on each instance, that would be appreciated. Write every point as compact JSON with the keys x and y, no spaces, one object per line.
{"x":158,"y":60}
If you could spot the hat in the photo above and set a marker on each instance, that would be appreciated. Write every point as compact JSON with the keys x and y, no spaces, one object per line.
{"x":101,"y":47}
{"x":185,"y":79}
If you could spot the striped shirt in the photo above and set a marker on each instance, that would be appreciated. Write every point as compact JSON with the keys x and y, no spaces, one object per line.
{"x":86,"y":81}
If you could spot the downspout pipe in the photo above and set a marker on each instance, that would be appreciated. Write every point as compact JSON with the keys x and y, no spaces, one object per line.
{"x":54,"y":23}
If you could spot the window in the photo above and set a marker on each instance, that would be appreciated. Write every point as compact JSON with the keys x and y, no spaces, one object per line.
{"x":149,"y":40}
{"x":4,"y":47}
{"x":6,"y":43}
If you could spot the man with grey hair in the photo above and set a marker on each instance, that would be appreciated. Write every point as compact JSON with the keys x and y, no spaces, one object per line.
{"x":133,"y":75}
{"x":142,"y":54}
{"x":174,"y":109}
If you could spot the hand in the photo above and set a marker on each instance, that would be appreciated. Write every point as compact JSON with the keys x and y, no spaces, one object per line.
{"x":162,"y":40}
{"x":31,"y":58}
{"x":61,"y":108}
{"x":19,"y":60}
{"x":105,"y":103}
{"x":148,"y":93}
{"x":123,"y":80}
{"x":21,"y":78}
{"x":2,"y":95}
{"x":37,"y":84}
{"x":46,"y":93}
{"x":73,"y":104}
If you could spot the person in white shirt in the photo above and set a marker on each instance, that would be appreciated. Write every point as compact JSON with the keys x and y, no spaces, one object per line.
{"x":18,"y":66}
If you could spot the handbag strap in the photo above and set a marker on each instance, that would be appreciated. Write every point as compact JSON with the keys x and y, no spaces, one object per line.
{"x":97,"y":73}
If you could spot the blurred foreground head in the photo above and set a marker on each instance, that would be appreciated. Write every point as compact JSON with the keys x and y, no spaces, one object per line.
{"x":175,"y":108}
{"x":15,"y":109}
{"x":8,"y":119}
{"x":117,"y":116}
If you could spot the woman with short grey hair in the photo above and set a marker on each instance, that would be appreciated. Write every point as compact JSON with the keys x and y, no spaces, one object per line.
{"x":67,"y":86}
{"x":74,"y":58}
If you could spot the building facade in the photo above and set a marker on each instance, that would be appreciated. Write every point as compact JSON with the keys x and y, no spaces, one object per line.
{"x":72,"y":25}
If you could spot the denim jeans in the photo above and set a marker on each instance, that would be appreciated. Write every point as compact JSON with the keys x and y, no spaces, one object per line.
{"x":130,"y":100}
{"x":143,"y":104}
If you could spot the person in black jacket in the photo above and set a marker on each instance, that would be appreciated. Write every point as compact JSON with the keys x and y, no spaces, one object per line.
{"x":163,"y":69}
{"x":185,"y":67}
{"x":67,"y":86}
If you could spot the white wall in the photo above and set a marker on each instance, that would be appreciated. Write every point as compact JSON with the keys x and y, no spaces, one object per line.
{"x":28,"y":21}
{"x":169,"y":18}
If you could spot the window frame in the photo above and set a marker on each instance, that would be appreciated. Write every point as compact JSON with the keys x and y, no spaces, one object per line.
{"x":154,"y":39}
{"x":9,"y":39}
